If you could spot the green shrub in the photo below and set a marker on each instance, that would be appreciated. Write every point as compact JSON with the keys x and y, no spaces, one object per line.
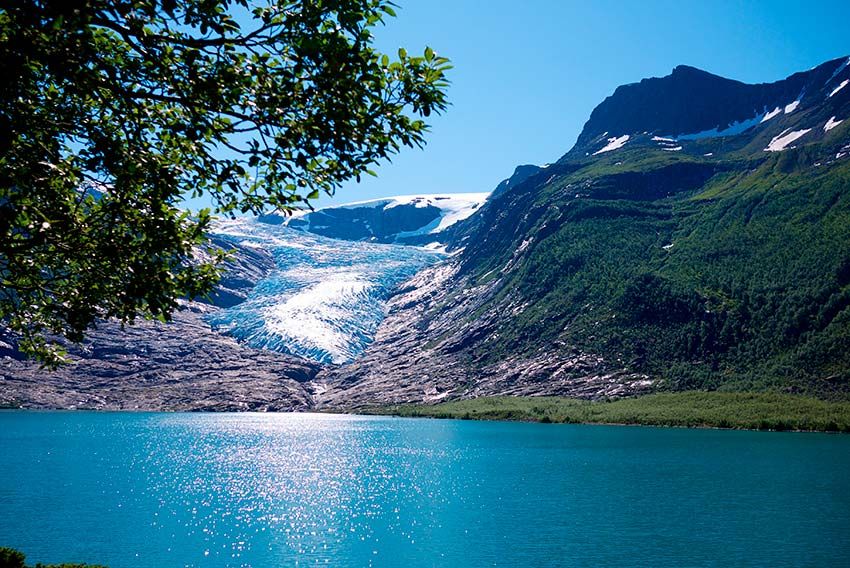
{"x":11,"y":558}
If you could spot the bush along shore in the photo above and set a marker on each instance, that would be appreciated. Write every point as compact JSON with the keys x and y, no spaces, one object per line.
{"x":753,"y":411}
{"x":11,"y":558}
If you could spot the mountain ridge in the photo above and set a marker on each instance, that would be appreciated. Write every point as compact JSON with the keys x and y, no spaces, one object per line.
{"x":415,"y":219}
{"x":657,"y":264}
{"x":689,"y":102}
{"x":639,"y":261}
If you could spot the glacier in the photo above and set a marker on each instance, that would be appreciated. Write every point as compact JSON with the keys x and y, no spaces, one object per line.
{"x":324,"y":298}
{"x":404,"y":219}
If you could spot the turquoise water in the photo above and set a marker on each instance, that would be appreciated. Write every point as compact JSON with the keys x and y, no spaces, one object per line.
{"x":209,"y":490}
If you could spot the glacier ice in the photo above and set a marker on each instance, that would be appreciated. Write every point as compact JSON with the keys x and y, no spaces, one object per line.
{"x":325,"y":298}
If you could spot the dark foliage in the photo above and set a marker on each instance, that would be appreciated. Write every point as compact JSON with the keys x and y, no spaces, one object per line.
{"x":10,"y":558}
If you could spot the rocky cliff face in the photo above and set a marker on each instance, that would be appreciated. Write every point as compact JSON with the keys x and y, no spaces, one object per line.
{"x":428,"y":349}
{"x":183,"y":365}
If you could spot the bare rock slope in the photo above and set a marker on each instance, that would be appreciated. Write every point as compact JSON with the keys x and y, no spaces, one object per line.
{"x":424,"y":352}
{"x":183,"y":365}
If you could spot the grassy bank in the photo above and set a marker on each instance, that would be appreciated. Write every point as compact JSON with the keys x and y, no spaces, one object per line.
{"x":758,"y":411}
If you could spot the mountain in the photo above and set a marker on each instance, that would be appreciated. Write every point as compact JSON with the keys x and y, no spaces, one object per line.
{"x":521,"y":173}
{"x":288,"y":303}
{"x":697,"y":236}
{"x":407,"y":219}
{"x":690,"y":104}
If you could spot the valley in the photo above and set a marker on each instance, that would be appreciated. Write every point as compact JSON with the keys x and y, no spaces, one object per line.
{"x":685,"y":242}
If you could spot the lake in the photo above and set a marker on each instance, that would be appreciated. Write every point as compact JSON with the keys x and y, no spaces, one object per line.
{"x":207,"y":490}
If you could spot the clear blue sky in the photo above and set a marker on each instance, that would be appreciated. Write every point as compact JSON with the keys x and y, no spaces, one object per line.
{"x":527,"y":74}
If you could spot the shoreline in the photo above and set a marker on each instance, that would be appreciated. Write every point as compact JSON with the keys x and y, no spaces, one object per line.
{"x":689,"y":409}
{"x":622,"y":424}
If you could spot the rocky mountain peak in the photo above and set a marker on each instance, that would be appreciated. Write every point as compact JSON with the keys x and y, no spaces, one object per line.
{"x":689,"y":102}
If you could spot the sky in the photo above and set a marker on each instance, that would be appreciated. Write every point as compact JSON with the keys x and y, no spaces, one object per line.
{"x":527,"y":74}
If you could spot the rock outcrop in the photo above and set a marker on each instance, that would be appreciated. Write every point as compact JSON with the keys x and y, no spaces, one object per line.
{"x":182,"y":365}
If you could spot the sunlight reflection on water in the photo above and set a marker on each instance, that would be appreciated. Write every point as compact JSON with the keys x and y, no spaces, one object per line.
{"x":309,"y":484}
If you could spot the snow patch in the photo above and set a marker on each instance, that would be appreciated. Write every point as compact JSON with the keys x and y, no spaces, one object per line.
{"x":781,"y":142}
{"x":668,"y":144}
{"x":740,"y":126}
{"x":613,"y":144}
{"x":441,"y":200}
{"x":417,"y":201}
{"x":453,"y":207}
{"x":523,"y":246}
{"x":731,"y":130}
{"x":771,"y":114}
{"x":435,"y":246}
{"x":831,"y":123}
{"x":839,"y":87}
{"x":459,"y":207}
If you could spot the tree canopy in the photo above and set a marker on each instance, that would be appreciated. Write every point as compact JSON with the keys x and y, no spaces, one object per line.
{"x":113,"y":112}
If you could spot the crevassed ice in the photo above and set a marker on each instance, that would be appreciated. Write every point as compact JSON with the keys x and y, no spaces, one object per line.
{"x":326,"y":320}
{"x":326,"y":298}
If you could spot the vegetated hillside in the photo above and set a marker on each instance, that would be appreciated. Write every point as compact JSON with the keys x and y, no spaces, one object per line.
{"x":641,"y":260}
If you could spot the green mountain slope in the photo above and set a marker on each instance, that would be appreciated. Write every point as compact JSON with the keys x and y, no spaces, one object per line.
{"x":645,"y":262}
{"x":739,"y":276}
